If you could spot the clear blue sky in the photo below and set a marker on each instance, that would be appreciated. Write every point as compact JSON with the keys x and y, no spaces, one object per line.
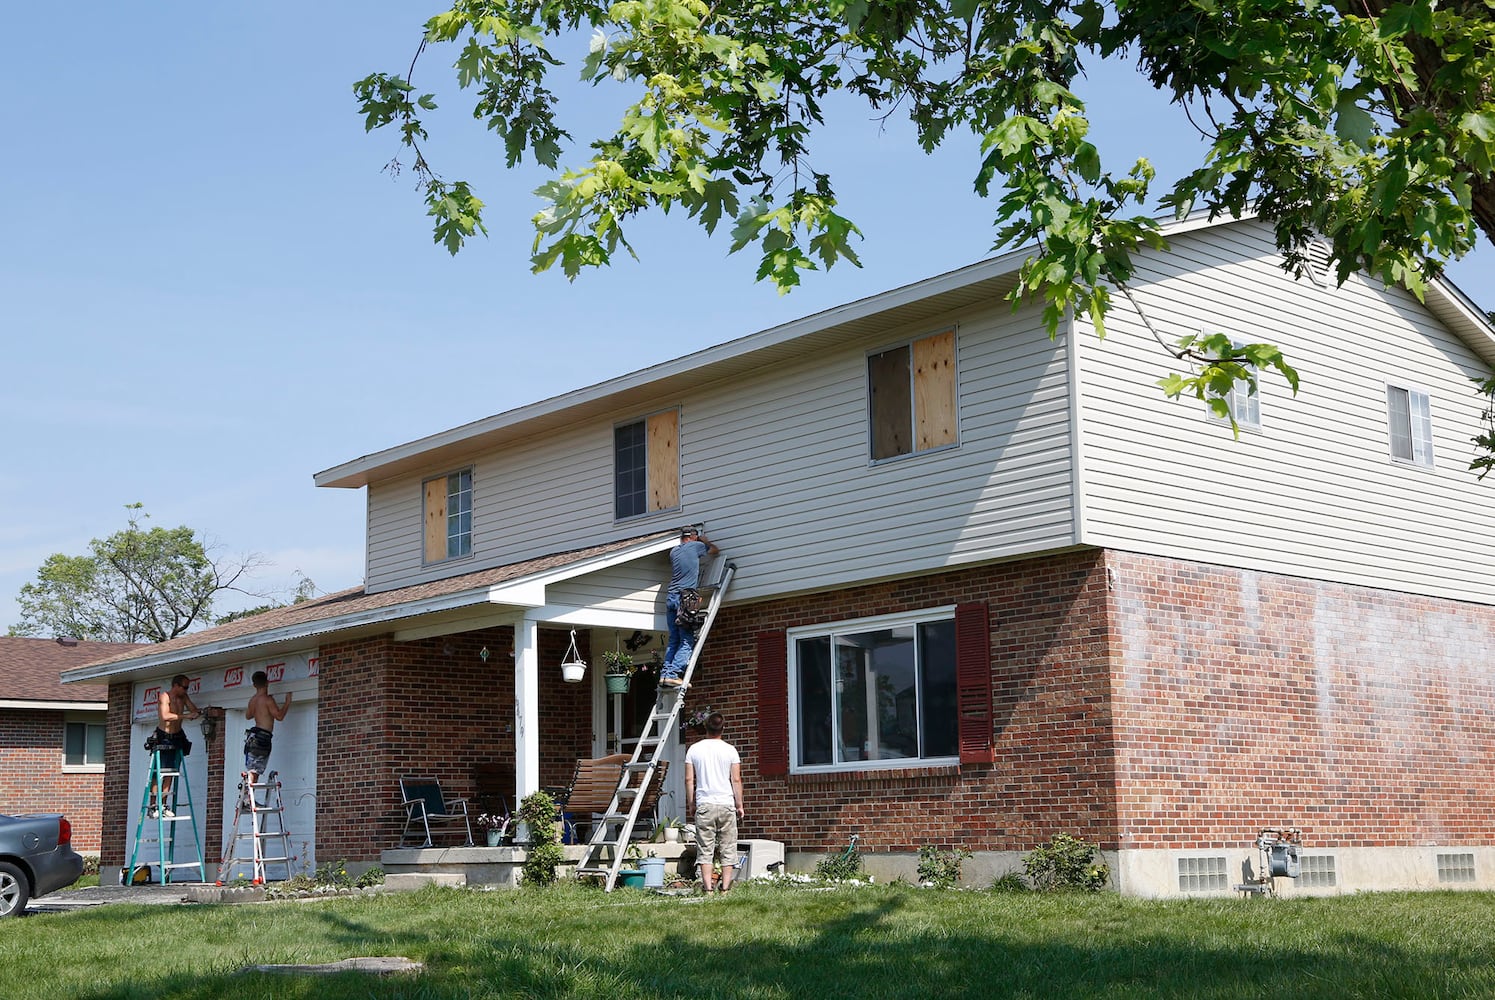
{"x":210,"y":291}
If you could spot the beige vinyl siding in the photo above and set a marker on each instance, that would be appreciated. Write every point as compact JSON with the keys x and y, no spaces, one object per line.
{"x":1315,"y":493}
{"x":632,"y":587}
{"x":777,"y":465}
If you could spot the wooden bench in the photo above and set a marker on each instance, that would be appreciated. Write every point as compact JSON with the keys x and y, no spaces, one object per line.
{"x":593,"y":784}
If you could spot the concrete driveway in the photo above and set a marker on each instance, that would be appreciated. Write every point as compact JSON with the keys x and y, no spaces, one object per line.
{"x":99,"y":895}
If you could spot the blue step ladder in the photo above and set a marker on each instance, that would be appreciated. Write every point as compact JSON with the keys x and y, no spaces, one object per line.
{"x":167,"y":820}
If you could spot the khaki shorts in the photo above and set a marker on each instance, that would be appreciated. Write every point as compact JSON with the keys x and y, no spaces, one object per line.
{"x":716,"y":829}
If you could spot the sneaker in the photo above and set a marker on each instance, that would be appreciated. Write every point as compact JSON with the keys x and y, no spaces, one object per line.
{"x":670,"y":682}
{"x":167,"y":814}
{"x":150,"y":813}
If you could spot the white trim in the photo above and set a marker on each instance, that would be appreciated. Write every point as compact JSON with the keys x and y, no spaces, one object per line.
{"x":55,"y":706}
{"x":1076,"y":429}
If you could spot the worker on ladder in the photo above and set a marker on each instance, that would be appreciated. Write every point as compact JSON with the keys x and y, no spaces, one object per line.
{"x":171,"y":709}
{"x":682,"y":605}
{"x":263,"y":712}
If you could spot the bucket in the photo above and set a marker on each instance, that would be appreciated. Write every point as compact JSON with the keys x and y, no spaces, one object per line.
{"x":653,"y":872}
{"x":632,"y":878}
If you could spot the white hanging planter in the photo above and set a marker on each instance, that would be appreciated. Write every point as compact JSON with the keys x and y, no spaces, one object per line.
{"x":573,"y":667}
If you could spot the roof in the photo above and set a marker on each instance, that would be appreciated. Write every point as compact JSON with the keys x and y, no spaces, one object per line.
{"x":354,"y":612}
{"x":981,"y":282}
{"x":30,"y":670}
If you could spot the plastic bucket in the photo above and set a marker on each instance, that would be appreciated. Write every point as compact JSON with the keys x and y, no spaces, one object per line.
{"x":653,"y":872}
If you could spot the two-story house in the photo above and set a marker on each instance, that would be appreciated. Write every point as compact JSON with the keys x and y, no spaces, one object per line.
{"x":992,"y":586}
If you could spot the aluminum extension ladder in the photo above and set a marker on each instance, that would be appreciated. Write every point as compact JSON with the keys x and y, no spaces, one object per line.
{"x":167,"y":817}
{"x":266,"y":823}
{"x":608,"y":844}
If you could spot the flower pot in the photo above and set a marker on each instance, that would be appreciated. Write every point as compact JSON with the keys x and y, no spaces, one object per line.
{"x":672,"y":835}
{"x":493,"y":837}
{"x":572,"y":673}
{"x":632,"y":878}
{"x":618,"y":683}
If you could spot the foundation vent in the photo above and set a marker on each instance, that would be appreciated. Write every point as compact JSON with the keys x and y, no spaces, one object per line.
{"x":1453,"y":868}
{"x":1318,"y":872}
{"x":1202,"y":875}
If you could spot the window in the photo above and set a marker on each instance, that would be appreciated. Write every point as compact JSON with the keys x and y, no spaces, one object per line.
{"x":1243,"y":401}
{"x":911,"y":397}
{"x":449,"y":516}
{"x":83,"y":745}
{"x":1411,"y":425}
{"x":874,"y":691}
{"x":1202,"y":875}
{"x":1455,"y":867}
{"x":646,"y":465}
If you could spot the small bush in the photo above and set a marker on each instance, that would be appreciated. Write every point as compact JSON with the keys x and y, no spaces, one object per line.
{"x":941,"y":869}
{"x":542,"y":854}
{"x":1066,"y":863}
{"x":1010,"y":882}
{"x":840,"y":867}
{"x":299,"y":883}
{"x":540,"y":863}
{"x":335,"y":874}
{"x":374,"y":875}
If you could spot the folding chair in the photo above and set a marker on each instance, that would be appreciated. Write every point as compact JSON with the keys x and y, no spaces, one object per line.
{"x":425,"y":806}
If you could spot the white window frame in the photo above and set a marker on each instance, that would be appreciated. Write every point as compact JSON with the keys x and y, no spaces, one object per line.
{"x":793,"y":635}
{"x":79,"y":719}
{"x":1244,"y":405}
{"x":470,"y":492}
{"x":1416,"y":425}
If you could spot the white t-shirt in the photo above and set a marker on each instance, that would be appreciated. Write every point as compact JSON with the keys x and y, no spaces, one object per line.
{"x":712,"y":761}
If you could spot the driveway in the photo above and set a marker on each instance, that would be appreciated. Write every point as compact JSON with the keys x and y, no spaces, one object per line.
{"x":98,"y":895}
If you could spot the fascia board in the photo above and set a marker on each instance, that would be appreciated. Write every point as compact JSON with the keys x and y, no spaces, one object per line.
{"x":56,"y":706}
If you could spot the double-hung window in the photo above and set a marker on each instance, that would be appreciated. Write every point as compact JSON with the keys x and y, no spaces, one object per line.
{"x":1409,"y":420}
{"x":83,"y":745}
{"x":874,"y":692}
{"x":1243,"y":401}
{"x":646,"y":465}
{"x":448,"y":503}
{"x":911,"y":397}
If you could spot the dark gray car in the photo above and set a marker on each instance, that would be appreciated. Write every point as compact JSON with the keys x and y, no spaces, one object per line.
{"x":36,"y":857}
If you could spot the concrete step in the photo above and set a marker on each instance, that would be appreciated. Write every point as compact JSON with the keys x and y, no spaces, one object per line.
{"x":410,"y":881}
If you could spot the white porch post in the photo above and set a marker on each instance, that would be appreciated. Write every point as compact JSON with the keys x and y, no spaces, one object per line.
{"x":526,"y":708}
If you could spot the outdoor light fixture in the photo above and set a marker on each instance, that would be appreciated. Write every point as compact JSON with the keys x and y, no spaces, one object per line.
{"x":209,"y":725}
{"x":483,"y":654}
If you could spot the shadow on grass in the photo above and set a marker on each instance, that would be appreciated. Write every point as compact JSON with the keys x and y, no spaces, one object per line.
{"x":861,"y":944}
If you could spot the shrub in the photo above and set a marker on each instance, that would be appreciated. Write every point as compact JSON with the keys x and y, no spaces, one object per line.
{"x":941,"y":869}
{"x":1066,"y":863}
{"x":543,"y":854}
{"x":335,"y":874}
{"x":840,"y":867}
{"x":373,"y":875}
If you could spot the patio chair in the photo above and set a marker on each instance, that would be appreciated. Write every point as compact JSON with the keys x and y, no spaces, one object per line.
{"x":591,"y":792}
{"x":425,"y":806}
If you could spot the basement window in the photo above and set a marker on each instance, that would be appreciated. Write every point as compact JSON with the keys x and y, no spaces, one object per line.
{"x":1456,"y":868}
{"x":1202,"y":875}
{"x":911,"y":397}
{"x":1317,"y":871}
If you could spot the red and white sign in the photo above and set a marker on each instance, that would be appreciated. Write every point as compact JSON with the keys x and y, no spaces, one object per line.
{"x":233,"y":677}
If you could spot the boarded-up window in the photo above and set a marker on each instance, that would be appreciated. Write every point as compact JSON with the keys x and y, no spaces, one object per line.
{"x":911,"y":396}
{"x":646,"y":465}
{"x":448,"y":516}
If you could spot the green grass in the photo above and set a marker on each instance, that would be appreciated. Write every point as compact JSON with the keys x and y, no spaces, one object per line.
{"x":767,"y":942}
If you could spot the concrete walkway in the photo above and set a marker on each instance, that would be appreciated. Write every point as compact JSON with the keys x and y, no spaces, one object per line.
{"x":98,"y":895}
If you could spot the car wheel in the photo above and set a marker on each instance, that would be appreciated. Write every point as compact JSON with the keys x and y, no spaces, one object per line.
{"x":14,"y":890}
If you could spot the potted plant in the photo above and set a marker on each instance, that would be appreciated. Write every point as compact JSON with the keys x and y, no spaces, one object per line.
{"x":619,"y":668}
{"x":670,"y":828}
{"x":694,"y":724}
{"x":493,"y":825}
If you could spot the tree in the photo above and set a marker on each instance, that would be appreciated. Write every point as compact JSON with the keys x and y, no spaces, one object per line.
{"x":1366,"y":122}
{"x":137,"y":585}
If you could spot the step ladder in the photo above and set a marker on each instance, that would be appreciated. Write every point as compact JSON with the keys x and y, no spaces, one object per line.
{"x":604,"y":855}
{"x":259,"y":803}
{"x":181,"y":811}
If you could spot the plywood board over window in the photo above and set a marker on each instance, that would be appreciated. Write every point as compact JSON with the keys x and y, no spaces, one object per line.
{"x":911,"y":393}
{"x":664,"y":460}
{"x":435,"y":519}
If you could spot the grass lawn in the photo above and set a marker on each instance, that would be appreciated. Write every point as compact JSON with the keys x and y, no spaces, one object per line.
{"x":767,"y":941}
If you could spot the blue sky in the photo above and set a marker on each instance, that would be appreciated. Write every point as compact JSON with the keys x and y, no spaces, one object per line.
{"x":211,"y":291}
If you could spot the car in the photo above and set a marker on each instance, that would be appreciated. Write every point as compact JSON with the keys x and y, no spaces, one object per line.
{"x":36,"y":857}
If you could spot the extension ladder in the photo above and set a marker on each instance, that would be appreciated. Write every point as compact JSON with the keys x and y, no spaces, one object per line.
{"x":266,"y":823}
{"x":167,"y":818}
{"x":605,"y":850}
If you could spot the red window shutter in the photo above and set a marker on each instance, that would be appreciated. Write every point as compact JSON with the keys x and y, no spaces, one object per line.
{"x":973,"y":683}
{"x":773,"y":703}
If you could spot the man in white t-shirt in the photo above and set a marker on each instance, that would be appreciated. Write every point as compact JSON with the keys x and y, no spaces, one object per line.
{"x":713,"y":795}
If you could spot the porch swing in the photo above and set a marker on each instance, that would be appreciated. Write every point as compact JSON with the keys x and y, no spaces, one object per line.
{"x":573,"y":667}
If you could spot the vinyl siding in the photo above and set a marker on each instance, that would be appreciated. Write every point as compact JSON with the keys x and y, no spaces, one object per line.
{"x":776,"y":465}
{"x":1315,"y":493}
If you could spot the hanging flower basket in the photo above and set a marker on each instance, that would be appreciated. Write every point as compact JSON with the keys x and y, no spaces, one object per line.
{"x":618,"y":683}
{"x":619,"y":668}
{"x":573,"y":667}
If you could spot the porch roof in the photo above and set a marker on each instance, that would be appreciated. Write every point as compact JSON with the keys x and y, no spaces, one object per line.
{"x":357,"y":613}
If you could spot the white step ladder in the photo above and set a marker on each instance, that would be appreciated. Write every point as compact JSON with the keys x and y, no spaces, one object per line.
{"x":608,"y":844}
{"x":261,"y":804}
{"x":167,"y":817}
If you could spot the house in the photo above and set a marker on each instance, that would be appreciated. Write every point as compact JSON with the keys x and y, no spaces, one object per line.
{"x":992,"y":586}
{"x":52,"y":734}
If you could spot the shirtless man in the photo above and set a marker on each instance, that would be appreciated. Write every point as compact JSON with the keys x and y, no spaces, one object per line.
{"x":171,"y":708}
{"x":263,"y":713}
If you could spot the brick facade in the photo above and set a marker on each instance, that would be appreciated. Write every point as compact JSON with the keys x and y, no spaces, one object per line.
{"x":117,"y":813}
{"x":32,"y":779}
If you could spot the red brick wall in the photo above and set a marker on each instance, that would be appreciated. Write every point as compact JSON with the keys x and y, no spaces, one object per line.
{"x":1054,"y":769}
{"x":431,"y":707}
{"x":1243,"y":700}
{"x":117,"y":775}
{"x":32,"y":779}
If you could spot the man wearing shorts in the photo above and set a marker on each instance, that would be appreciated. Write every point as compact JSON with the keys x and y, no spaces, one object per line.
{"x":713,"y":794}
{"x":263,"y":713}
{"x":171,"y":708}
